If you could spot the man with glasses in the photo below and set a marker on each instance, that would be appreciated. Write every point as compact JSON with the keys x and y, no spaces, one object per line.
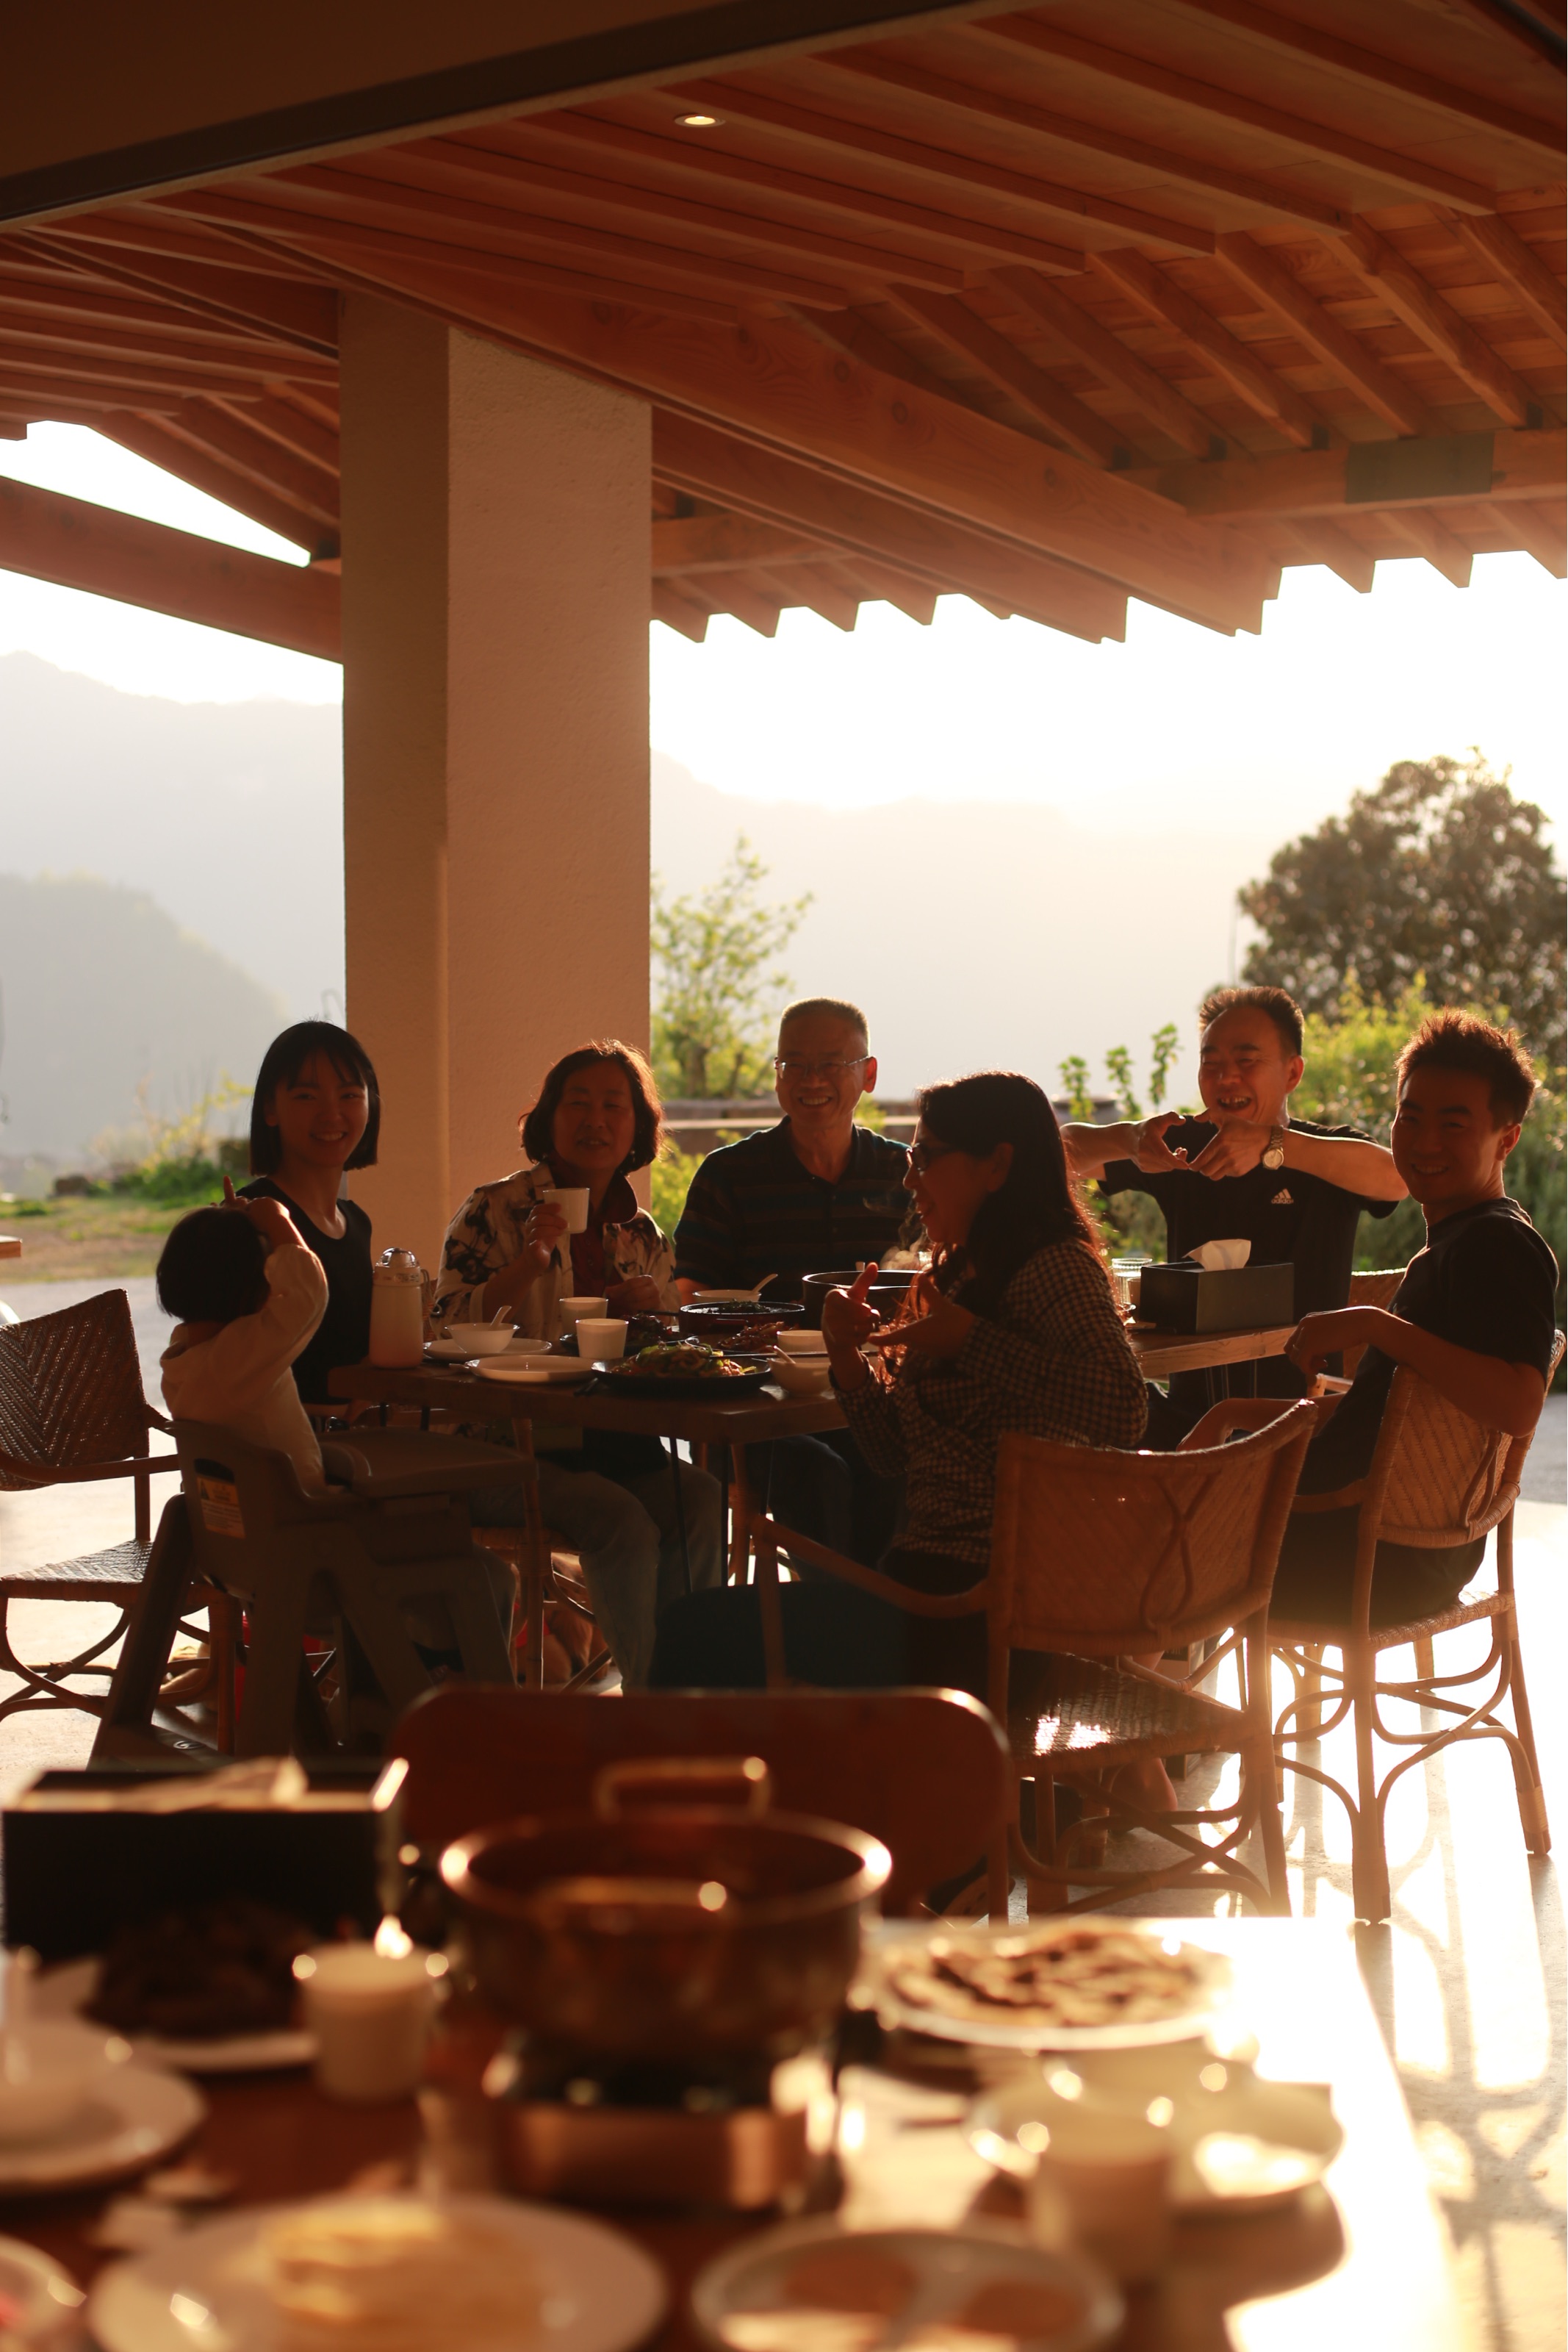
{"x":812,"y":1194}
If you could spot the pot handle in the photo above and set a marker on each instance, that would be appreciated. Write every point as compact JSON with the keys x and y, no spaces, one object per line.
{"x":747,"y":1777}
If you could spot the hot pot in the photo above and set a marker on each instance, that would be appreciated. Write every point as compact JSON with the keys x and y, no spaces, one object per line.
{"x":717,"y":1323}
{"x":679,"y":1931}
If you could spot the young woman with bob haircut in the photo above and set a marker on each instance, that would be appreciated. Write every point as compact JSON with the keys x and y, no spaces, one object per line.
{"x":597,"y":1120}
{"x":316,"y":1115}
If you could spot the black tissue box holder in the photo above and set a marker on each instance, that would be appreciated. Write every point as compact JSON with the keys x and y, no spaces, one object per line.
{"x":1186,"y":1297}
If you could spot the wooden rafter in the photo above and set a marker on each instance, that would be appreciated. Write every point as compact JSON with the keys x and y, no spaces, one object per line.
{"x":678,"y":612}
{"x":78,"y":545}
{"x":975,"y":338}
{"x":1259,"y":386}
{"x":1504,"y":252}
{"x":722,"y":542}
{"x":1326,"y":544}
{"x":1539,"y":533}
{"x":1109,"y":358}
{"x":1406,"y":173}
{"x":1430,"y":537}
{"x":1437,"y":325}
{"x":999,"y":106}
{"x":301,"y":317}
{"x":258,"y":457}
{"x":155,"y":439}
{"x":1384,"y":391}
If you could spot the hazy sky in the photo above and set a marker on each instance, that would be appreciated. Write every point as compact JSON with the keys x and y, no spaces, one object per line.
{"x":1178,"y":726}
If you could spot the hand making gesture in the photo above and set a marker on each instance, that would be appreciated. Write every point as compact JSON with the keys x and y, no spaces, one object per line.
{"x":936,"y":1330}
{"x":270,"y":1218}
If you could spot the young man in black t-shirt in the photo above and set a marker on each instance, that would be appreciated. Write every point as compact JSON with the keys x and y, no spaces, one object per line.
{"x":1296,"y":1191}
{"x":1474,"y":1316}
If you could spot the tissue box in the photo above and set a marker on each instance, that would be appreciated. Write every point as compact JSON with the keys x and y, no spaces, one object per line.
{"x":1187,"y":1298}
{"x":82,"y":1857}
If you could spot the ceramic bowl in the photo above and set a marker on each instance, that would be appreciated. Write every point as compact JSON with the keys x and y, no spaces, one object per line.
{"x":807,"y":1376}
{"x":49,"y":2073}
{"x":481,"y":1338}
{"x":802,"y":1343}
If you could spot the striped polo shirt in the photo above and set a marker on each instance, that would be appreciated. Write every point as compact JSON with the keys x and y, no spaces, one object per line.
{"x":753,"y":1209}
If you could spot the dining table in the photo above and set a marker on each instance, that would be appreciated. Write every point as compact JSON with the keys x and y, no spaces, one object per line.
{"x":1360,"y":2258}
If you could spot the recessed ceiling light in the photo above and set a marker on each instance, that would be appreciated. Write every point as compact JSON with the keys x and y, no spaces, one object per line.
{"x":700,"y":121}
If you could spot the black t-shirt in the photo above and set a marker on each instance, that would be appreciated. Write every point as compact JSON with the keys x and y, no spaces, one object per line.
{"x":1486,"y":1280}
{"x":343,"y":1334}
{"x":1285,"y":1213}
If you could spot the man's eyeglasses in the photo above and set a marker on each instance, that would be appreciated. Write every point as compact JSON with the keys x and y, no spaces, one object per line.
{"x":923,"y":1156}
{"x":787,"y":1067}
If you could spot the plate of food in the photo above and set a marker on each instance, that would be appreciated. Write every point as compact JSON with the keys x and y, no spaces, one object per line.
{"x":686,"y":1370}
{"x":210,"y":1991}
{"x":1067,"y":1984}
{"x":535,"y":1372}
{"x":814,"y":2286}
{"x":403,"y":2273}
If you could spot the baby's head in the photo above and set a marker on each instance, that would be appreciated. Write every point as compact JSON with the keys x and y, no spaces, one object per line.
{"x":213,"y":1268}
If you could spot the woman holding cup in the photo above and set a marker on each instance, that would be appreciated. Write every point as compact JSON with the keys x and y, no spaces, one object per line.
{"x":565,"y":1238}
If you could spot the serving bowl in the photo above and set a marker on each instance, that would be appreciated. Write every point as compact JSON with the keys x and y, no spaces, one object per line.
{"x":481,"y":1338}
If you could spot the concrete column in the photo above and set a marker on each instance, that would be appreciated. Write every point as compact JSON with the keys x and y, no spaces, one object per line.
{"x":496,"y":560}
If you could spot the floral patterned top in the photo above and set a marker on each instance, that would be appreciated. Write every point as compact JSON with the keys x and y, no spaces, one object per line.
{"x":487,"y":1233}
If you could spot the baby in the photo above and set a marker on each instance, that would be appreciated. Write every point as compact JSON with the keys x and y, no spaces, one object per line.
{"x":247,"y":1294}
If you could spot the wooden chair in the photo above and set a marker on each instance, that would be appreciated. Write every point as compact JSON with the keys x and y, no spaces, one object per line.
{"x":72,"y":1411}
{"x":1377,"y":1289}
{"x":926,"y":1771}
{"x":1099,"y":1559}
{"x":1437,"y":1479}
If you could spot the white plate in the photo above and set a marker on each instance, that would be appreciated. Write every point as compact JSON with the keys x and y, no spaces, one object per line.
{"x":601,"y":2292}
{"x":65,"y":1991}
{"x":43,"y":2292}
{"x":537,"y":1370}
{"x":948,"y":2267}
{"x":447,"y":1351}
{"x":875,"y":1990}
{"x":140,"y":2114}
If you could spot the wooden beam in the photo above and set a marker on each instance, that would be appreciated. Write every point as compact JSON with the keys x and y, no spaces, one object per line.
{"x":259,"y":459}
{"x":1360,"y":368}
{"x":1393,"y":75}
{"x":1320,"y":139}
{"x":294,"y":429}
{"x":975,"y":338}
{"x":735,"y":593}
{"x":844,"y":202}
{"x":783,"y":491}
{"x":155,"y":439}
{"x":1499,"y":248}
{"x":1437,"y":325}
{"x":809,"y":586}
{"x":678,"y":612}
{"x":1539,"y":533}
{"x":878,"y":66}
{"x":1229,"y":358}
{"x":79,"y":545}
{"x":70,"y":305}
{"x":505,"y":165}
{"x":807,"y":127}
{"x":721,"y":542}
{"x":302,"y":316}
{"x":1111,"y":361}
{"x":881,"y":583}
{"x":862,"y":339}
{"x":1433,"y":539}
{"x":1456,"y":469}
{"x":1326,"y":544}
{"x":1530,"y":29}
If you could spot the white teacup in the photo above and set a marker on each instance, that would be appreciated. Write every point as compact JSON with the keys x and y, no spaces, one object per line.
{"x":571,"y":1200}
{"x":601,"y":1337}
{"x":1102,"y":2178}
{"x":370,"y":2012}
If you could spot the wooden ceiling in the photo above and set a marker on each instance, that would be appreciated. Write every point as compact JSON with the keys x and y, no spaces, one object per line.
{"x":1044,"y":308}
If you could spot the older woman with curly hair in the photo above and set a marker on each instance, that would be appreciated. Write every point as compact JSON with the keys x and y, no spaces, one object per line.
{"x":612,"y":1497}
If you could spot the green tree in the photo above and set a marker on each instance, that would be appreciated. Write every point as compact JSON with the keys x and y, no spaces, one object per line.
{"x":1074,"y":1075}
{"x":1439,"y":871}
{"x":717,"y":990}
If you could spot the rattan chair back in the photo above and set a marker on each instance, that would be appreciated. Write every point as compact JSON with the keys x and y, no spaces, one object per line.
{"x":1378,"y":1289}
{"x":1438,"y":1479}
{"x":1104,"y":1554}
{"x":70,"y":1391}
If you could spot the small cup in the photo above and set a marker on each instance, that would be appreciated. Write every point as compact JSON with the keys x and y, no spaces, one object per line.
{"x":1102,"y":2175}
{"x":599,"y":1338}
{"x":370,"y":2012}
{"x":571,"y":1200}
{"x":572,"y":1309}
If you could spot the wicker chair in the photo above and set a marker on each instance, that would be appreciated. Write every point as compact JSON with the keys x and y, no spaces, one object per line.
{"x":1437,"y":1479}
{"x":1098,"y":1557}
{"x":72,"y":1411}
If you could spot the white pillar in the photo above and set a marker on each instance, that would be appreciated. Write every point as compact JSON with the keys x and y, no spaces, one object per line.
{"x":496,"y":560}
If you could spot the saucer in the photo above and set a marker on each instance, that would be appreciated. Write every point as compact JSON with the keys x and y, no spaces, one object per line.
{"x":138,"y":2115}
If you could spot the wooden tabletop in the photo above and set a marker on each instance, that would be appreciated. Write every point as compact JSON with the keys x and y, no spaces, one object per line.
{"x":1161,"y":1353}
{"x":1360,"y":2261}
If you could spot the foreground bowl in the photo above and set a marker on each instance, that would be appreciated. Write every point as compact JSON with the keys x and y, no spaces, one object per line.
{"x":48,"y":2074}
{"x":801,"y":1375}
{"x":481,"y":1338}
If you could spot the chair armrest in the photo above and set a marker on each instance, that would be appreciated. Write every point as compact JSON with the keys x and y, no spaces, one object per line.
{"x":29,"y":1476}
{"x":388,"y":1464}
{"x":1343,"y":1498}
{"x":969,"y":1603}
{"x":1230,"y":1414}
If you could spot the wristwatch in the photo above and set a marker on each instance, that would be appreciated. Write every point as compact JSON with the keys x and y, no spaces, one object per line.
{"x":1274,"y":1155}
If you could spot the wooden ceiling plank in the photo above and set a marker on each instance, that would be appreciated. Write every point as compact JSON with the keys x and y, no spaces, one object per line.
{"x":1111,"y":361}
{"x":977,"y":340}
{"x":1503,"y":251}
{"x":146,"y":229}
{"x":129,"y":376}
{"x":25,"y":328}
{"x":430,"y":208}
{"x":721,"y":542}
{"x":1093,"y":138}
{"x":97,"y":548}
{"x":307,"y":436}
{"x":1362,"y":369}
{"x":304,"y":315}
{"x":1437,"y":325}
{"x":158,"y":440}
{"x":1375,"y":72}
{"x":678,"y":612}
{"x":1259,"y":386}
{"x":84,"y":296}
{"x":63,"y":400}
{"x":873,"y":263}
{"x":1529,"y":30}
{"x":260,"y":459}
{"x":1433,"y":539}
{"x":1403,"y":172}
{"x":1539,"y":534}
{"x":846,"y":203}
{"x":805,"y":126}
{"x":1524,"y":467}
{"x":785,"y":490}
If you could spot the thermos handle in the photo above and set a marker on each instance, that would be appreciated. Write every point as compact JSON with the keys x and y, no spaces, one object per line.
{"x":747,"y":1777}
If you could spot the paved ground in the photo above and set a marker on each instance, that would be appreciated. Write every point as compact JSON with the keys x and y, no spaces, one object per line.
{"x":1470,"y":1985}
